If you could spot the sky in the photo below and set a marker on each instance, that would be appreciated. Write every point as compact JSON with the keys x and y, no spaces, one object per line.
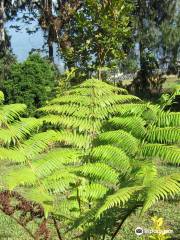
{"x":22,"y":42}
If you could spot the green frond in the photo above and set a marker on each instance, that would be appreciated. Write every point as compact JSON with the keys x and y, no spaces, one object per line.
{"x":164,"y":135}
{"x":81,"y":124}
{"x":72,"y":99}
{"x":121,"y":139}
{"x":128,"y":109}
{"x":133,"y":124}
{"x":170,"y":154}
{"x":100,"y":85}
{"x":161,"y":188}
{"x":14,"y":155}
{"x":80,"y":170}
{"x":77,"y":111}
{"x":60,"y":109}
{"x":61,"y":185}
{"x":89,"y":100}
{"x":19,"y":130}
{"x":39,"y":143}
{"x":112,"y":156}
{"x":68,"y":208}
{"x":55,"y":160}
{"x":168,"y":119}
{"x":146,"y":173}
{"x":60,"y":181}
{"x":92,"y":191}
{"x":119,"y":198}
{"x":74,"y":139}
{"x":9,"y":113}
{"x":99,"y":171}
{"x":96,"y":90}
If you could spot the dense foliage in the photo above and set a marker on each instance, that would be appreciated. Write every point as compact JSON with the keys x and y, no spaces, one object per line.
{"x":31,"y":82}
{"x":91,"y":156}
{"x":96,"y":160}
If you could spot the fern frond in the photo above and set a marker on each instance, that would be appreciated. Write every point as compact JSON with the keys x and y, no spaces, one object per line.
{"x":19,"y":130}
{"x":9,"y":113}
{"x":39,"y":143}
{"x":68,"y":208}
{"x":128,"y":109}
{"x":164,"y":135}
{"x":56,"y":160}
{"x":77,"y":111}
{"x":169,"y":154}
{"x":95,"y":83}
{"x":92,"y":191}
{"x":112,"y":156}
{"x":161,"y":188}
{"x":146,"y":173}
{"x":81,"y":124}
{"x":120,"y":138}
{"x":132,"y":124}
{"x":14,"y":155}
{"x":60,"y":185}
{"x":168,"y":119}
{"x":119,"y":198}
{"x":74,"y":139}
{"x":99,"y":171}
{"x":102,"y":101}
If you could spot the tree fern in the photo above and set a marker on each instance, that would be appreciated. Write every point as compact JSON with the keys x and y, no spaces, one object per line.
{"x":100,"y":151}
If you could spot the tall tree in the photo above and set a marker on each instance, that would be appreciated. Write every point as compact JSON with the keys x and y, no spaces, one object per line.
{"x":170,"y":39}
{"x":8,"y":9}
{"x":82,"y":30}
{"x":150,"y":17}
{"x":2,"y":30}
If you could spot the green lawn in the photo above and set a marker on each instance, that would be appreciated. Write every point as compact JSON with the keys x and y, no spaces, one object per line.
{"x":170,"y":84}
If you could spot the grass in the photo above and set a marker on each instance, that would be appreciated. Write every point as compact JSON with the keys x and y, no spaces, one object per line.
{"x":171,"y":83}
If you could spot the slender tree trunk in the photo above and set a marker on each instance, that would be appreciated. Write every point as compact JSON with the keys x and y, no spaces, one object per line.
{"x":51,"y":53}
{"x":174,"y":54}
{"x":141,"y":27}
{"x":99,"y":74}
{"x":141,"y":51}
{"x":48,"y":6}
{"x":2,"y":30}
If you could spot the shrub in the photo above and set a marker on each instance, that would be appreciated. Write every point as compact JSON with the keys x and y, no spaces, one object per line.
{"x":30,"y":82}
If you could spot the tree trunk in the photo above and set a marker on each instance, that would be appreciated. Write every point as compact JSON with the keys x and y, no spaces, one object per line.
{"x":100,"y":74}
{"x":2,"y":30}
{"x":51,"y":55}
